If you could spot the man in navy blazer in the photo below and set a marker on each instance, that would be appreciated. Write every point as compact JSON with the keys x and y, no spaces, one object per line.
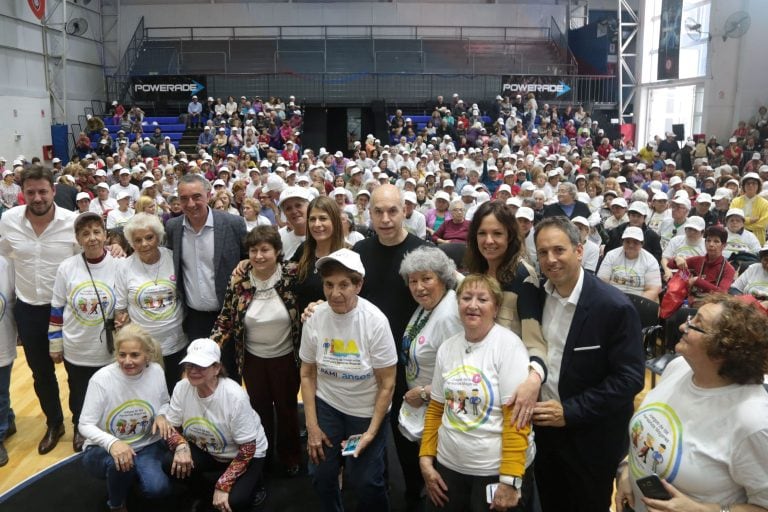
{"x":207,"y":246}
{"x":596,"y":368}
{"x":567,"y":204}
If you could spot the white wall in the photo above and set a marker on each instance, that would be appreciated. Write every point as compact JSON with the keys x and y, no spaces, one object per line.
{"x":170,"y":14}
{"x":25,"y":108}
{"x":738,"y":76}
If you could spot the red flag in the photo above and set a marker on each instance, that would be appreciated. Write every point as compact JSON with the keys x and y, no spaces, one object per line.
{"x":38,"y":8}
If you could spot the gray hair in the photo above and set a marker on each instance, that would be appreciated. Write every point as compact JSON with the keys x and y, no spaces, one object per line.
{"x":191,"y":178}
{"x":457,"y":202}
{"x":570,"y":188}
{"x":144,"y":221}
{"x":429,"y":259}
{"x":639,"y":195}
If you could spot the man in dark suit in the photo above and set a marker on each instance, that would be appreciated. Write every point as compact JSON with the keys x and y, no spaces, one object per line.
{"x":566,"y":204}
{"x":596,"y":367}
{"x":207,"y":245}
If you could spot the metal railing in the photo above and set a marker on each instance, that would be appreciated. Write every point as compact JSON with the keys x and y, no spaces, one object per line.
{"x":346,"y":31}
{"x":560,"y":40}
{"x":117,"y":87}
{"x":395,"y":88}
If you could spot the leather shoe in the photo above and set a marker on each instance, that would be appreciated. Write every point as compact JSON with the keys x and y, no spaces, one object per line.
{"x":3,"y":455}
{"x":50,"y":439}
{"x":11,"y":429}
{"x":77,"y":441}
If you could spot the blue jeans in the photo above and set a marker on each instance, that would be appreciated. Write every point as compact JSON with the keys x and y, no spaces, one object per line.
{"x":365,"y":474}
{"x":147,"y":470}
{"x":6,"y":413}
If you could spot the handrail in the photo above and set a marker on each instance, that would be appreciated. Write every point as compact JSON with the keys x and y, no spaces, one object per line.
{"x":560,"y":40}
{"x":117,"y":89}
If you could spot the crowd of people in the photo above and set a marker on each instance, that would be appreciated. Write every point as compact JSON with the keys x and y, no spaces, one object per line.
{"x":458,"y":298}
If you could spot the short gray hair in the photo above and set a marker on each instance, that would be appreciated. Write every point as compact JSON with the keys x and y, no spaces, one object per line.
{"x":640,"y":195}
{"x":457,"y":202}
{"x":569,"y":187}
{"x":429,"y":259}
{"x":144,"y":221}
{"x":190,"y":178}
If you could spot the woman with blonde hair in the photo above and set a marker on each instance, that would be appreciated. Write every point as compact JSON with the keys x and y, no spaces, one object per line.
{"x":123,"y":420}
{"x":146,"y":204}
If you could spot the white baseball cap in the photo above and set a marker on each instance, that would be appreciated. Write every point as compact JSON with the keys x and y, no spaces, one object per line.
{"x":580,"y":220}
{"x":349,"y":259}
{"x":735,"y":211}
{"x":634,"y":233}
{"x":81,"y":196}
{"x":696,"y":223}
{"x":290,"y":192}
{"x":202,"y":352}
{"x":524,"y":212}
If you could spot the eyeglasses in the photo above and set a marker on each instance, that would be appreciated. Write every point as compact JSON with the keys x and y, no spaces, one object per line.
{"x":690,"y":327}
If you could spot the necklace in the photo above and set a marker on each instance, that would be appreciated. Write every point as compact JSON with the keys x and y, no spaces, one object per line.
{"x":264,"y":289}
{"x":157,"y":272}
{"x":410,"y":333}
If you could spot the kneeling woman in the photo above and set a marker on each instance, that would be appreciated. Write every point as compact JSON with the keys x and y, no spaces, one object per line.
{"x":476,"y":373}
{"x":122,"y":420}
{"x":222,"y":445}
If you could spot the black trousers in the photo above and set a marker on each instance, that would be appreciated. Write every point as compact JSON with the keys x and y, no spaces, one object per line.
{"x":199,"y":324}
{"x":77,"y":379}
{"x":173,"y":369}
{"x":32,"y":323}
{"x":407,"y":450}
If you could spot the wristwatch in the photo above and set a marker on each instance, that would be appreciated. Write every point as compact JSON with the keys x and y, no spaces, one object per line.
{"x":423,"y":394}
{"x":513,"y":481}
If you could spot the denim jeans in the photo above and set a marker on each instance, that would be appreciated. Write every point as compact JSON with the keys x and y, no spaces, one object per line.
{"x":365,"y":474}
{"x":6,"y":413}
{"x":147,"y":470}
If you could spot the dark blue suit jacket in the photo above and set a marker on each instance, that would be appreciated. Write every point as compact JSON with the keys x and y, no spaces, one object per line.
{"x":602,"y":370}
{"x":228,"y":233}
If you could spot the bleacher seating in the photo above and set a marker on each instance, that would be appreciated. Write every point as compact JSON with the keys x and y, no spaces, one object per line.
{"x":169,"y":125}
{"x":420,"y":121}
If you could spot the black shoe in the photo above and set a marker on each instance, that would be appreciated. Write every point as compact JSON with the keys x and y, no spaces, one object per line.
{"x":11,"y":429}
{"x":50,"y":439}
{"x":77,"y":441}
{"x":3,"y":455}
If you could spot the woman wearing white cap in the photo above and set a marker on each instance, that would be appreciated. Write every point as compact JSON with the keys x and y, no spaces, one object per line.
{"x":754,"y":280}
{"x":221,"y":449}
{"x":684,"y":245}
{"x":347,"y":379}
{"x":754,"y":206}
{"x":120,"y":216}
{"x":9,"y":191}
{"x":630,"y":268}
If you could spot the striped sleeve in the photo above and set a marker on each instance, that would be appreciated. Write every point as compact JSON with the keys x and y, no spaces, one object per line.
{"x":55,"y":321}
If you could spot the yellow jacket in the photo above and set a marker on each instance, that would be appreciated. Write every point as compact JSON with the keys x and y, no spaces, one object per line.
{"x":760,"y":211}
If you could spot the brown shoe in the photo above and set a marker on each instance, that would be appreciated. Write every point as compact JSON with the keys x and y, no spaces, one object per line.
{"x":77,"y":441}
{"x":50,"y":439}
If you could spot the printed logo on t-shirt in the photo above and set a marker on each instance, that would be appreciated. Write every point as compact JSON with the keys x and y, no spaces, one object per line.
{"x":85,"y":303}
{"x":131,"y":420}
{"x":625,"y":276}
{"x":341,"y":360}
{"x":205,"y":435}
{"x":756,"y":288}
{"x":469,"y":398}
{"x":157,"y":300}
{"x":655,"y":442}
{"x":687,"y":251}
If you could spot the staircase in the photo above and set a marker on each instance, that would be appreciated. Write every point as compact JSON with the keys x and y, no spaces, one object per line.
{"x":188,"y":142}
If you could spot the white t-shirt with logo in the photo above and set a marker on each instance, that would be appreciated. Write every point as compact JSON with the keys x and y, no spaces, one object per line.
{"x":473,"y":381}
{"x":346,"y":349}
{"x":217,"y":424}
{"x":741,"y":242}
{"x":630,"y":276}
{"x":149,"y":293}
{"x":291,"y":242}
{"x":680,"y":246}
{"x":119,"y":407}
{"x":711,"y":444}
{"x":753,"y":281}
{"x":85,"y":343}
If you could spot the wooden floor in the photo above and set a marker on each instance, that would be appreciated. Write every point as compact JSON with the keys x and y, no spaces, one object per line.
{"x":30,"y":422}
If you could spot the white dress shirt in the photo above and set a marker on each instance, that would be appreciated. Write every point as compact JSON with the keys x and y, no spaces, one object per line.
{"x":197,"y":266}
{"x":37,"y":258}
{"x":555,"y":325}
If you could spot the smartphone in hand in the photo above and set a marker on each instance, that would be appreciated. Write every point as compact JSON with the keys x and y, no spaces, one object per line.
{"x":490,"y":490}
{"x":351,"y":445}
{"x":651,"y":487}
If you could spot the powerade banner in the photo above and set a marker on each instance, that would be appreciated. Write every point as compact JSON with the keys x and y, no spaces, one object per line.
{"x":669,"y":40}
{"x":165,"y":89}
{"x":544,"y":87}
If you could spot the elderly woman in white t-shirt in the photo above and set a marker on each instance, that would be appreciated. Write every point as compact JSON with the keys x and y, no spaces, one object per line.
{"x":347,"y":379}
{"x":83,"y":298}
{"x":222,"y":447}
{"x":469,"y":438}
{"x":145,"y":290}
{"x":431,"y":277}
{"x":630,"y":268}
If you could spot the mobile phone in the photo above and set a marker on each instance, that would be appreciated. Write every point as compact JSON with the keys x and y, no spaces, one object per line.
{"x":490,"y":490}
{"x":651,"y":487}
{"x":351,"y":445}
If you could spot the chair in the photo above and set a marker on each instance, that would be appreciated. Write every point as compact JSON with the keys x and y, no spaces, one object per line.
{"x":657,"y":357}
{"x":455,"y":251}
